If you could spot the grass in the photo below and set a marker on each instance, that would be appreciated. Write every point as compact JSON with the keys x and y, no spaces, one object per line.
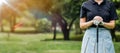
{"x":40,"y":43}
{"x":36,"y":43}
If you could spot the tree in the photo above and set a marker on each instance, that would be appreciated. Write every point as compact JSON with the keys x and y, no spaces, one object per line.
{"x":71,"y":13}
{"x":63,"y":12}
{"x":13,"y":9}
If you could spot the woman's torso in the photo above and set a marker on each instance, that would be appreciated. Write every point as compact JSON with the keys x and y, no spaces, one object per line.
{"x":93,"y":9}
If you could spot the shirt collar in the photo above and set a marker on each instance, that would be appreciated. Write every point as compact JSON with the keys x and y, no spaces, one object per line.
{"x":93,"y":2}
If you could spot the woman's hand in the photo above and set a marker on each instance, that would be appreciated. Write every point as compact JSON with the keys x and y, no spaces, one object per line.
{"x":97,"y":20}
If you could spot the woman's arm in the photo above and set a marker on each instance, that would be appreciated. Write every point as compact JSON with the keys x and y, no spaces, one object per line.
{"x":84,"y":24}
{"x":110,"y":25}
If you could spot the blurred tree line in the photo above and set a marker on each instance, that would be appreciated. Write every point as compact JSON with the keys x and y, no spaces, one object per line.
{"x":65,"y":13}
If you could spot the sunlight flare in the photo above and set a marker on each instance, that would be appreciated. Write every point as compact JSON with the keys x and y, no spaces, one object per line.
{"x":1,"y":2}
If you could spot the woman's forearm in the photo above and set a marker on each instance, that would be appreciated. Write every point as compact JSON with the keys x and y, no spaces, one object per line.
{"x":109,"y":25}
{"x":85,"y":25}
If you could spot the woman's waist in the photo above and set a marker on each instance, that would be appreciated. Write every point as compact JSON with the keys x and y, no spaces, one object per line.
{"x":100,"y":26}
{"x":103,"y":32}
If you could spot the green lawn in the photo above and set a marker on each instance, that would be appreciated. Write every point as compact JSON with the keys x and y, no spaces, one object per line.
{"x":39,"y":43}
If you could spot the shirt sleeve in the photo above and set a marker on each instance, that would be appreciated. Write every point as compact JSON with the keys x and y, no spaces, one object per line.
{"x":113,"y":13}
{"x":83,"y":11}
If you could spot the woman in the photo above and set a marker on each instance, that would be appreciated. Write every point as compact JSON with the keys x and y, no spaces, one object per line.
{"x":100,"y":12}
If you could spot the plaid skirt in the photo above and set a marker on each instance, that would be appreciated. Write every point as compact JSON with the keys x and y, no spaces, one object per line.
{"x":105,"y":44}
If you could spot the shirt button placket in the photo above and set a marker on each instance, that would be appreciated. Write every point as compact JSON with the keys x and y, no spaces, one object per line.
{"x":99,"y":10}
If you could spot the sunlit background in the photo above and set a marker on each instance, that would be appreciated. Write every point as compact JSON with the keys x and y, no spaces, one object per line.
{"x":44,"y":26}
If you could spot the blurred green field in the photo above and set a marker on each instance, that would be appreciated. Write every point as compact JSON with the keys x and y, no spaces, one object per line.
{"x":40,"y":43}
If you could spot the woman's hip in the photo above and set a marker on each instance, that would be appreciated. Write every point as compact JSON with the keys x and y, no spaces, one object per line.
{"x":103,"y":33}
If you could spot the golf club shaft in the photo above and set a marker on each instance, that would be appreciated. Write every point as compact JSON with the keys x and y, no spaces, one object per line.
{"x":97,"y":37}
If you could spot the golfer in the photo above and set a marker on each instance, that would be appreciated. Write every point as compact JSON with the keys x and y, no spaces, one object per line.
{"x":103,"y":14}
